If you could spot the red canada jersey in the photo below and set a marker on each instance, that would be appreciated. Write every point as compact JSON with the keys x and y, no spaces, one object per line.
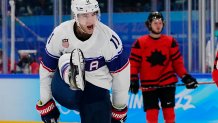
{"x":215,"y":69}
{"x":156,"y":60}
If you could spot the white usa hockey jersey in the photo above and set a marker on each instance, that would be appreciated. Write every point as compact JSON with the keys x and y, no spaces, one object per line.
{"x":106,"y":63}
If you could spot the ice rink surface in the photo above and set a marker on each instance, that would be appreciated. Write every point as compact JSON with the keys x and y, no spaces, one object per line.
{"x":19,"y":95}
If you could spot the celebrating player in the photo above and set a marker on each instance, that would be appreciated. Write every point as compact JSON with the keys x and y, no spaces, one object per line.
{"x":83,"y":59}
{"x":155,"y":60}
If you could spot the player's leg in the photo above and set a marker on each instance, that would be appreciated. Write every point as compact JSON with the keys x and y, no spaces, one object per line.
{"x":167,"y":98}
{"x":64,"y":94}
{"x":95,"y":105}
{"x":151,"y":107}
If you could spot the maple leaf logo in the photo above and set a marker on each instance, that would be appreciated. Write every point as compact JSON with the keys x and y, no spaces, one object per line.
{"x":156,"y":58}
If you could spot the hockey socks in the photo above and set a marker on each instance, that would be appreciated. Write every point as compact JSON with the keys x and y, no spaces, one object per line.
{"x":169,"y":115}
{"x":152,"y":115}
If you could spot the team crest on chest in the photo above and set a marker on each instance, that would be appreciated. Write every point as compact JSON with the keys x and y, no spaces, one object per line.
{"x":156,"y":58}
{"x":65,"y":43}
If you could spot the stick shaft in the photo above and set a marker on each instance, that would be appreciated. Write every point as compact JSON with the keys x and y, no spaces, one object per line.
{"x":166,"y":86}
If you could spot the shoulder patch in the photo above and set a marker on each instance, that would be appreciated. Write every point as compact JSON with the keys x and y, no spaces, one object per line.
{"x":65,"y":43}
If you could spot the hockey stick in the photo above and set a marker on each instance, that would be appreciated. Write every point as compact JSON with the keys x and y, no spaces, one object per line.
{"x":175,"y":85}
{"x":26,"y":27}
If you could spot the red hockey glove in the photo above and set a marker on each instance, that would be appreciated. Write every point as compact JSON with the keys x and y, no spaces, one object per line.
{"x":190,"y":82}
{"x":49,"y":112}
{"x":215,"y":76}
{"x":119,"y":115}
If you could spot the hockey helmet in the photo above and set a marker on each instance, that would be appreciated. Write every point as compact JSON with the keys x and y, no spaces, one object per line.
{"x":152,"y":16}
{"x":84,"y":6}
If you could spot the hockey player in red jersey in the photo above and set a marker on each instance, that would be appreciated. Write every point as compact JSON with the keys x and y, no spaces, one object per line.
{"x":215,"y":70}
{"x":155,"y":60}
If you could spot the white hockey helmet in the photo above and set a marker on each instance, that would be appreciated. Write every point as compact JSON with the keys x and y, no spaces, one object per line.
{"x":84,"y":6}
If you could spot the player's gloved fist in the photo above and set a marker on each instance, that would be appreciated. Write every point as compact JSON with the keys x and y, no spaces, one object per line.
{"x":134,"y":86}
{"x":49,"y":112}
{"x":190,"y":82}
{"x":119,"y":115}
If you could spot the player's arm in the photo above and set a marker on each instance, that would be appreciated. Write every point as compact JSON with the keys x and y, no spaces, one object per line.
{"x":135,"y":61}
{"x":48,"y":65}
{"x":177,"y":59}
{"x":179,"y":67}
{"x":215,"y":70}
{"x":119,"y":67}
{"x":46,"y":106}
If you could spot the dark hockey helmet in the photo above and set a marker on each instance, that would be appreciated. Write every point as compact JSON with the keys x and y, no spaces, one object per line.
{"x":151,"y":17}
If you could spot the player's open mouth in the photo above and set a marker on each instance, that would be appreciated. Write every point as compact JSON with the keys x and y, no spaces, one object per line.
{"x":90,"y":27}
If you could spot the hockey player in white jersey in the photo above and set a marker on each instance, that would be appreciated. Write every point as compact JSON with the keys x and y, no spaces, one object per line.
{"x":84,"y":59}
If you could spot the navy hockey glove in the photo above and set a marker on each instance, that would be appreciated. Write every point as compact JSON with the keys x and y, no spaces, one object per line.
{"x":119,"y":115}
{"x":49,"y":112}
{"x":190,"y":82}
{"x":134,"y":86}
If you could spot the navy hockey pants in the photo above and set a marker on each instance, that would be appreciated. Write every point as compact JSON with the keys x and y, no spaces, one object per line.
{"x":93,"y":103}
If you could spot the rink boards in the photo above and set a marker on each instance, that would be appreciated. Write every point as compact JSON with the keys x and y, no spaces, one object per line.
{"x":19,"y":94}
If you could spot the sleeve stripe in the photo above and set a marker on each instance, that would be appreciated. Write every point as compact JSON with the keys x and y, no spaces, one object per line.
{"x":63,"y":69}
{"x":48,"y":69}
{"x":176,"y":57}
{"x":49,"y":54}
{"x":121,"y":68}
{"x":139,"y":57}
{"x":118,"y":62}
{"x":49,"y":61}
{"x":119,"y":53}
{"x":133,"y":59}
{"x":173,"y":55}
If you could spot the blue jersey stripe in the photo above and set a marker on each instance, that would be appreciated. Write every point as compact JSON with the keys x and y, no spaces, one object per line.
{"x":117,"y":62}
{"x":63,"y":69}
{"x":50,"y":61}
{"x":46,"y":52}
{"x":92,"y":64}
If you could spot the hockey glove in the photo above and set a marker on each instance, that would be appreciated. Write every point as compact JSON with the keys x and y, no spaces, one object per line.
{"x":119,"y":115}
{"x":77,"y":73}
{"x":49,"y":112}
{"x":134,"y":86}
{"x":190,"y":82}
